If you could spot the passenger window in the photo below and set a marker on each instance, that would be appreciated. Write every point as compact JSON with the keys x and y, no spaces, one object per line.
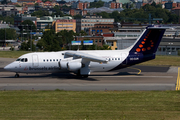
{"x":22,"y":60}
{"x":26,"y":59}
{"x":53,"y":59}
{"x":112,"y":58}
{"x":57,"y":60}
{"x":44,"y":60}
{"x":118,"y":58}
{"x":115,"y":58}
{"x":47,"y":60}
{"x":50,"y":60}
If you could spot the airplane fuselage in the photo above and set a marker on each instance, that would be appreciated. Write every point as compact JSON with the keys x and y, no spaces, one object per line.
{"x":48,"y":62}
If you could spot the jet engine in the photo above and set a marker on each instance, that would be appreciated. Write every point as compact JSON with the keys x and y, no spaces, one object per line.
{"x":63,"y":64}
{"x":74,"y":66}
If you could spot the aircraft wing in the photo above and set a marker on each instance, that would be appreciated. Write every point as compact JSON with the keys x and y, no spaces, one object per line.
{"x":86,"y":56}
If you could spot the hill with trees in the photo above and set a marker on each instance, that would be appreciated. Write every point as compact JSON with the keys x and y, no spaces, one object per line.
{"x":142,"y":15}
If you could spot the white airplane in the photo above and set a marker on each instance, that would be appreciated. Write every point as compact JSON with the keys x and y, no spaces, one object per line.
{"x":84,"y":62}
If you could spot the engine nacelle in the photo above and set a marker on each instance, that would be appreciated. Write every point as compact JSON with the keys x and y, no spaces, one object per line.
{"x":74,"y":66}
{"x":63,"y":64}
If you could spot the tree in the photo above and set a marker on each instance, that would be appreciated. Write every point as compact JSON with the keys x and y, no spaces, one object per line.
{"x":36,"y":4}
{"x":4,"y":2}
{"x":153,"y":4}
{"x":104,"y":14}
{"x":28,"y":25}
{"x":98,"y":4}
{"x":65,"y":37}
{"x":77,"y":16}
{"x":57,"y":11}
{"x":49,"y":41}
{"x":27,"y":46}
{"x":142,"y":15}
{"x":8,"y":34}
{"x":81,"y":33}
{"x":17,"y":5}
{"x":52,"y":41}
{"x":40,"y":13}
{"x":7,"y":19}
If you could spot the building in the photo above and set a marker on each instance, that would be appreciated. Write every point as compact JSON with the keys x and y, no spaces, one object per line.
{"x":30,"y":10}
{"x":126,"y":35}
{"x":113,"y":5}
{"x":65,"y":11}
{"x":151,"y":1}
{"x":19,"y":18}
{"x":64,"y":24}
{"x":48,"y":21}
{"x":171,"y":5}
{"x":80,"y":5}
{"x":101,"y":28}
{"x":121,"y":1}
{"x":98,"y":40}
{"x":8,"y":10}
{"x":102,"y":9}
{"x":138,"y":5}
{"x":176,"y":11}
{"x":78,"y":12}
{"x":88,"y":22}
{"x":43,"y":22}
{"x":48,"y":4}
{"x":29,"y":4}
{"x":23,"y":2}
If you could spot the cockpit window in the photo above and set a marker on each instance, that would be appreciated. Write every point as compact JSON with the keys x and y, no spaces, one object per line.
{"x":26,"y":59}
{"x":18,"y":59}
{"x":22,"y":60}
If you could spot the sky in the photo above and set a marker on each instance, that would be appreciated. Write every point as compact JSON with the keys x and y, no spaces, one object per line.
{"x":89,"y":0}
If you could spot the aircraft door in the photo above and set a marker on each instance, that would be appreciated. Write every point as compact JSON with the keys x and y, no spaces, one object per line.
{"x":123,"y":58}
{"x":35,"y":61}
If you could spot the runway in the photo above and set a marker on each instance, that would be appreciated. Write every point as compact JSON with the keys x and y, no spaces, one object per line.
{"x":99,"y":81}
{"x":138,"y":77}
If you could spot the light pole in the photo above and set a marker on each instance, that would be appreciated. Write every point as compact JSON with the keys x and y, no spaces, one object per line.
{"x":31,"y":37}
{"x":21,"y":32}
{"x":27,"y":32}
{"x":5,"y":36}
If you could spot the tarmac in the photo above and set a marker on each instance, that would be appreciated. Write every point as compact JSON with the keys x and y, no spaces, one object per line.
{"x":138,"y":77}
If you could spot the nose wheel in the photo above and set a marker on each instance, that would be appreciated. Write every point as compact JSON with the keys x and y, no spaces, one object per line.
{"x":16,"y":75}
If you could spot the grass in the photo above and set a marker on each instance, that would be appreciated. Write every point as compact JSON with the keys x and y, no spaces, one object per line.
{"x":100,"y":105}
{"x":12,"y":54}
{"x":164,"y":60}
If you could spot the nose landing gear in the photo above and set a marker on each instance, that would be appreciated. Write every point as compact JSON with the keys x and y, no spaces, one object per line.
{"x":16,"y":75}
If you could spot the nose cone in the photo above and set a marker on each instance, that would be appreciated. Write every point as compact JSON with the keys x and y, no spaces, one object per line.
{"x":8,"y":67}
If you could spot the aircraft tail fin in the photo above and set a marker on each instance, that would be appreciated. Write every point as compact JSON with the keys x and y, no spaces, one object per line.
{"x":149,"y":40}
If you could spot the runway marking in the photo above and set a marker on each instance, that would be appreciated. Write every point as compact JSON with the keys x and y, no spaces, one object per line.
{"x":132,"y":76}
{"x":178,"y":80}
{"x":135,"y":69}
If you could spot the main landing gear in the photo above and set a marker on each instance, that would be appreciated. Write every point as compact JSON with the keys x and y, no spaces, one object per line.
{"x":16,"y":75}
{"x":81,"y":76}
